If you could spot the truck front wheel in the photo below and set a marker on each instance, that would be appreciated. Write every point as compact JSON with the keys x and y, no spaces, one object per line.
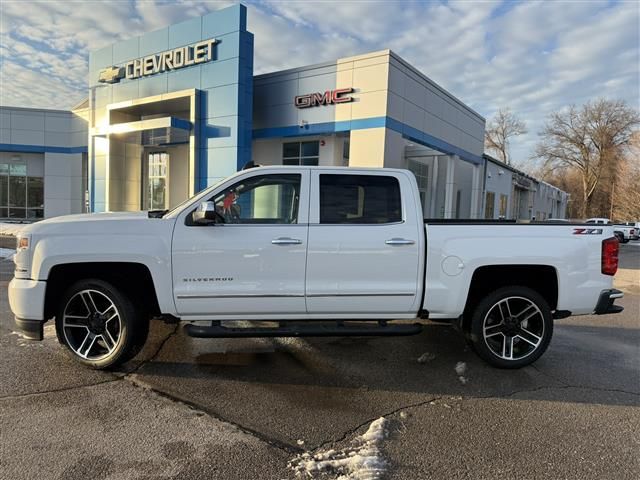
{"x":511,"y":327}
{"x":99,"y":324}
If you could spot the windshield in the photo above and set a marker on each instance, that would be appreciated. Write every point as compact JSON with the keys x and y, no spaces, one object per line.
{"x":175,"y":210}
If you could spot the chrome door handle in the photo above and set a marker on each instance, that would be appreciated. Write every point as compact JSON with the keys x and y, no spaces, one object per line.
{"x":399,"y":241}
{"x":286,"y":241}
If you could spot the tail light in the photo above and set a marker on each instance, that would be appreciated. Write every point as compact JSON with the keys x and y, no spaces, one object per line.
{"x":610,"y":248}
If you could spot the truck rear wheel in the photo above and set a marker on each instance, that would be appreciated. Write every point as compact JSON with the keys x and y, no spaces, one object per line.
{"x":511,"y":327}
{"x":99,"y":325}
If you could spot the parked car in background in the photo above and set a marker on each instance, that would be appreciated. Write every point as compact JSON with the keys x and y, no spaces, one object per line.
{"x":635,"y":226}
{"x":623,"y":232}
{"x":598,"y":220}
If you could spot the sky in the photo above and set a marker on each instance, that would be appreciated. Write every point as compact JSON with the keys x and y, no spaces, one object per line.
{"x":532,"y":57}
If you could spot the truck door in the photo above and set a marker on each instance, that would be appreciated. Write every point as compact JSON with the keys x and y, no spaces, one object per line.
{"x":363,"y":253}
{"x":254,"y":262}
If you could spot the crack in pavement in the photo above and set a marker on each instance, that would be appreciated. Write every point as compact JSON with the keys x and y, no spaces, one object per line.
{"x":194,"y":406}
{"x":155,"y":354}
{"x":353,"y":430}
{"x":585,"y":387}
{"x":57,"y":390}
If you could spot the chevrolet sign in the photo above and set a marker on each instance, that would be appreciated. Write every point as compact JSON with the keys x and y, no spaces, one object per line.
{"x":175,"y":59}
{"x":111,"y":75}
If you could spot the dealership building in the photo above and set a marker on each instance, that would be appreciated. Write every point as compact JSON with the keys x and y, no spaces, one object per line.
{"x":173,"y":111}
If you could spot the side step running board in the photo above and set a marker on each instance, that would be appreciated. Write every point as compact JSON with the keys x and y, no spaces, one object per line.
{"x":339,"y":330}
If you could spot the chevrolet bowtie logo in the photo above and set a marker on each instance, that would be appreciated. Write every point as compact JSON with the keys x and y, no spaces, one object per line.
{"x":111,"y":75}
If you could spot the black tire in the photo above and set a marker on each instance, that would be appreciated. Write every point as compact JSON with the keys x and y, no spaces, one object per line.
{"x":510,"y":344}
{"x":625,"y":240}
{"x":107,"y":342}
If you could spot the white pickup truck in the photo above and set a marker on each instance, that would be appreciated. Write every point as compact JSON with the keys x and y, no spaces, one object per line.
{"x":299,"y":245}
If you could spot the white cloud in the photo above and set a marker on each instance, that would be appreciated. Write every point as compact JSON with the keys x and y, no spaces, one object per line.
{"x":534,"y":57}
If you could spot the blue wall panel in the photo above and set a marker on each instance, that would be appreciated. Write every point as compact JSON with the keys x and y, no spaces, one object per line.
{"x":225,"y":88}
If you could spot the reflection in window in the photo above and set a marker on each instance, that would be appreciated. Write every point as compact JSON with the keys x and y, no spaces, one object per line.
{"x":490,"y":203}
{"x":263,"y":199}
{"x":363,"y":199}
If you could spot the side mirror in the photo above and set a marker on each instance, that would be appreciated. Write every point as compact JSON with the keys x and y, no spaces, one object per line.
{"x":206,"y":214}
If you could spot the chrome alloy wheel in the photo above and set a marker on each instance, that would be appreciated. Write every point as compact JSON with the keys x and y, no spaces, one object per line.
{"x":91,"y":325}
{"x":513,"y":328}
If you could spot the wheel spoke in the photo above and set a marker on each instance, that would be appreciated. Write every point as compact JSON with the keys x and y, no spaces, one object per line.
{"x":507,"y":348}
{"x":87,"y":344}
{"x":111,"y":307}
{"x":493,"y":330}
{"x":106,"y":322}
{"x":502,"y":315}
{"x":529,"y":337}
{"x":525,"y":310}
{"x":88,"y":302}
{"x":108,"y":340}
{"x":76,"y":321}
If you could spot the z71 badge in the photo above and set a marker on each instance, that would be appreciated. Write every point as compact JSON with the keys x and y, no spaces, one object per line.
{"x":587,"y":231}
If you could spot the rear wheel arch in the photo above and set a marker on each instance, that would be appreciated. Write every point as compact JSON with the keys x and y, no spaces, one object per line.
{"x":486,"y":279}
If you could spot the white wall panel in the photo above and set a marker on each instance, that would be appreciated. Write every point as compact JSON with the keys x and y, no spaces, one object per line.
{"x":27,"y":137}
{"x":22,"y":120}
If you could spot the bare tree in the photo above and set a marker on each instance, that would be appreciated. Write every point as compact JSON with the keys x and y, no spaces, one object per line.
{"x":589,"y":140}
{"x":503,"y":126}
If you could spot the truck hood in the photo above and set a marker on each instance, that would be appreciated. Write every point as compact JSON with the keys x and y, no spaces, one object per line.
{"x":108,"y":223}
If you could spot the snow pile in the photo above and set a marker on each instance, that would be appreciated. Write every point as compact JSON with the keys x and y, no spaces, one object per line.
{"x":11,"y":228}
{"x":461,"y":369}
{"x":6,"y":253}
{"x":426,"y":357}
{"x":362,"y":460}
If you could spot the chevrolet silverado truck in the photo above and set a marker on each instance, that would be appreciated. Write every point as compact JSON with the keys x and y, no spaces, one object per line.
{"x":312,"y":251}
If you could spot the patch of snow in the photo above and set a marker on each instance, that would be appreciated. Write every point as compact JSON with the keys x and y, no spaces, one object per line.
{"x":426,"y":357}
{"x":362,"y":460}
{"x":300,"y":442}
{"x":404,"y":415}
{"x":9,"y":228}
{"x":461,"y":369}
{"x":7,"y":252}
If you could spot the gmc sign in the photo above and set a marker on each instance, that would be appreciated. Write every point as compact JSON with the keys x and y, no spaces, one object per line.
{"x":330,"y":97}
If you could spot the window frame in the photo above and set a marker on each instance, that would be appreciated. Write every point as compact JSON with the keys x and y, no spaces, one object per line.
{"x":300,"y":157}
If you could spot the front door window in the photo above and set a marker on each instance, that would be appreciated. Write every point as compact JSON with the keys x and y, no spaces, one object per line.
{"x":157,"y":181}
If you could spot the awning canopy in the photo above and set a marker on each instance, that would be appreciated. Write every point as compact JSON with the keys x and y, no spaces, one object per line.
{"x":153,"y":131}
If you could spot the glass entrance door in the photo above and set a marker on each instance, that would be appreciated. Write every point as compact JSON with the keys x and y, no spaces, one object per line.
{"x":157,"y":180}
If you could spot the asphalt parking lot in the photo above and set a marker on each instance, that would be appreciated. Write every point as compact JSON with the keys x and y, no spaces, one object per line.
{"x":249,"y":409}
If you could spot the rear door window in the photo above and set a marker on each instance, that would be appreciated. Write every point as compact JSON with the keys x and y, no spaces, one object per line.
{"x":359,"y":199}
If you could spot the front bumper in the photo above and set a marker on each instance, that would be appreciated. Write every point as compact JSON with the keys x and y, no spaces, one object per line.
{"x":605,"y":302}
{"x":26,"y":299}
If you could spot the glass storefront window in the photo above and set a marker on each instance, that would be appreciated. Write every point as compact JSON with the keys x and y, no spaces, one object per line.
{"x":301,"y":153}
{"x":17,"y":191}
{"x":18,"y":169}
{"x":157,"y":181}
{"x":20,"y":196}
{"x":35,"y":192}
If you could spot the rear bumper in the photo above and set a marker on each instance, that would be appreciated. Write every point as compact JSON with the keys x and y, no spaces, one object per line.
{"x":26,"y":299}
{"x":605,"y":303}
